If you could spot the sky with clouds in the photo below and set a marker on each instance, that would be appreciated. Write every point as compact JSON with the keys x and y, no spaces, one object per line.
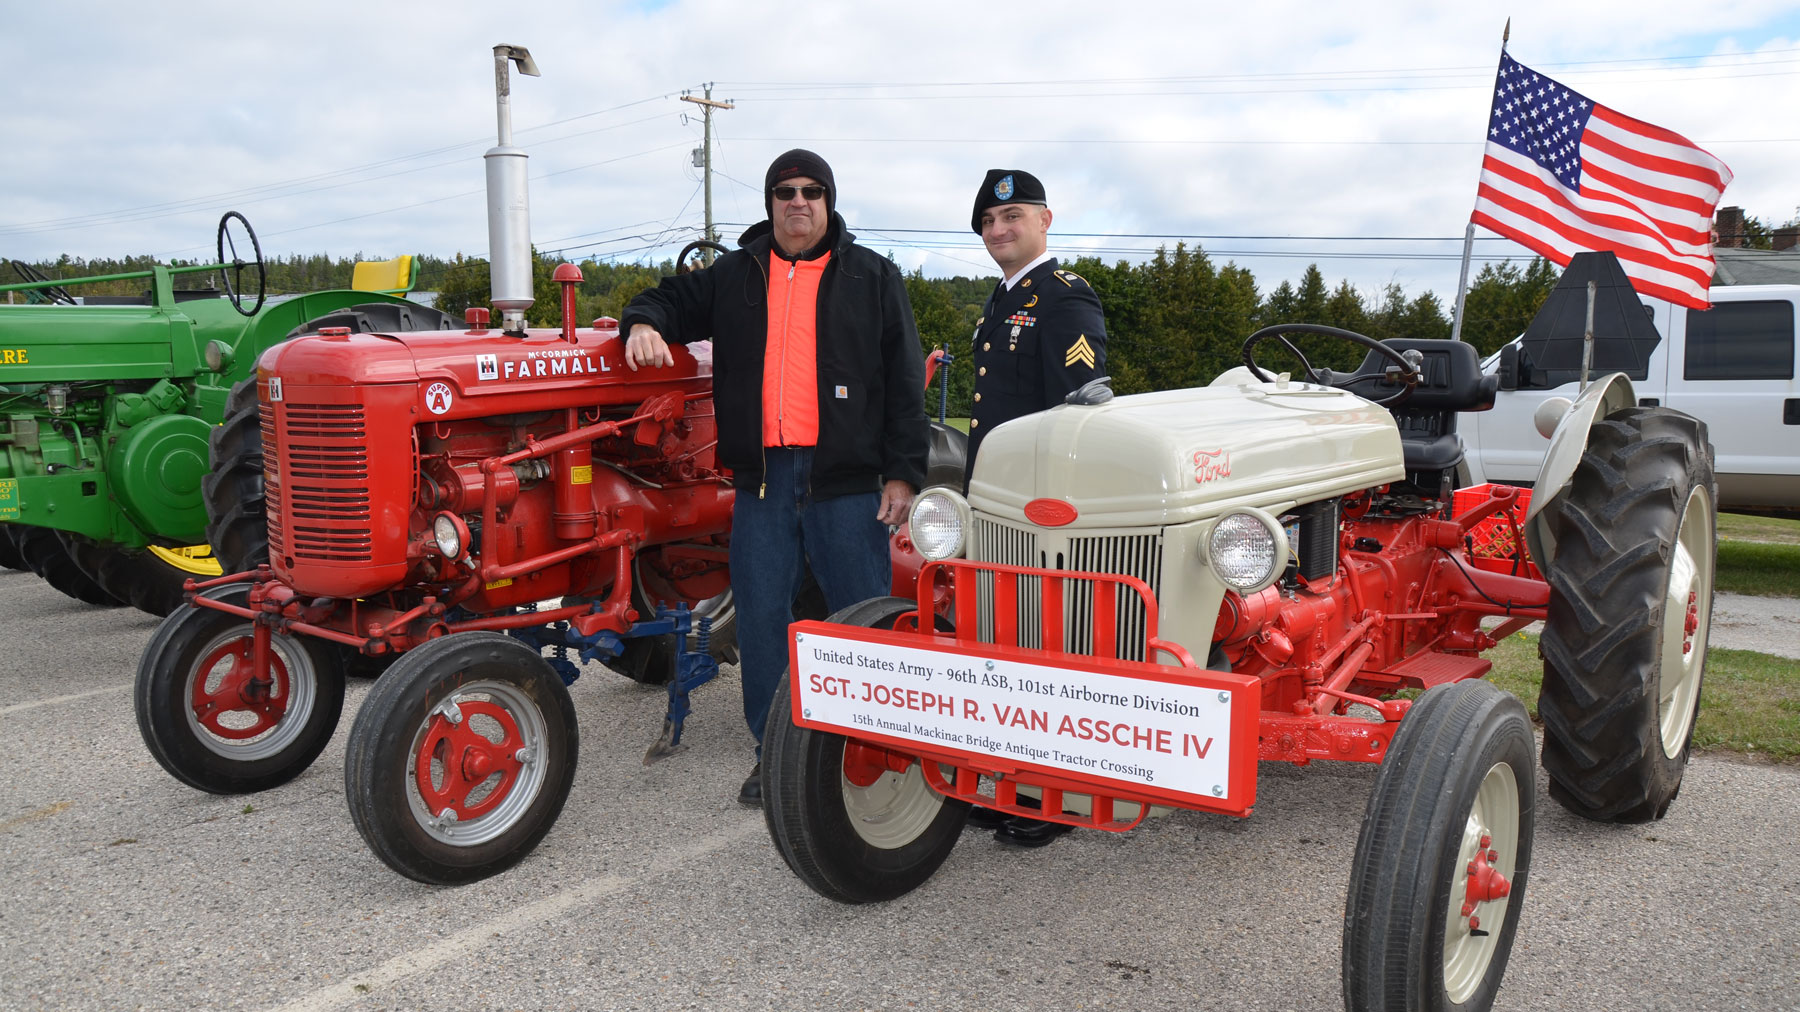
{"x":1272,"y":134}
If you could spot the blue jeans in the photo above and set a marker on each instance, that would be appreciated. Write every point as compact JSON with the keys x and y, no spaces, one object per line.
{"x":773,"y":539}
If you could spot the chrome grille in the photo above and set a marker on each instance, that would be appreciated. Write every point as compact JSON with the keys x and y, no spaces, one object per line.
{"x":324,"y":459}
{"x":1124,"y":553}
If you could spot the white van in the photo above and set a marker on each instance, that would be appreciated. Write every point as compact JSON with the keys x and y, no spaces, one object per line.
{"x":1732,"y":366}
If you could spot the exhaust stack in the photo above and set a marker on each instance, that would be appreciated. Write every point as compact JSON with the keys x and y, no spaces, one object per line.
{"x":509,"y":203}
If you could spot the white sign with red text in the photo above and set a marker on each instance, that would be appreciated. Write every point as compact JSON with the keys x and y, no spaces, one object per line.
{"x":1173,"y":737}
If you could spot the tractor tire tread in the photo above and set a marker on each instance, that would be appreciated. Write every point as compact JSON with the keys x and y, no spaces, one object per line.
{"x":1614,"y":532}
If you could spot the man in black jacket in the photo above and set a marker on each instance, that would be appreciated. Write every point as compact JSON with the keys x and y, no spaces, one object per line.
{"x":819,"y":392}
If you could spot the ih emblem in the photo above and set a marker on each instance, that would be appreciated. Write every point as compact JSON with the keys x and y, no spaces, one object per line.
{"x":438,"y":398}
{"x":487,"y":367}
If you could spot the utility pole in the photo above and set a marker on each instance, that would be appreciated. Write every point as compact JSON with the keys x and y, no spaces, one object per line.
{"x":704,"y":162}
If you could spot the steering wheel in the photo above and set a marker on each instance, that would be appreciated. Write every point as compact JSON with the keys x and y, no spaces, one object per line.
{"x":1405,"y":371}
{"x":56,"y":293}
{"x":234,"y":266}
{"x":681,"y":266}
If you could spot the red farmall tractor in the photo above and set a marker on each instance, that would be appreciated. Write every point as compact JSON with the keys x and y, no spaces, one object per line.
{"x":426,"y":493}
{"x":1141,"y":599}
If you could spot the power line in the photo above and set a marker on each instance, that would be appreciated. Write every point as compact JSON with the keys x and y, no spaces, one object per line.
{"x":1742,"y":59}
{"x":187,"y":203}
{"x":439,"y":200}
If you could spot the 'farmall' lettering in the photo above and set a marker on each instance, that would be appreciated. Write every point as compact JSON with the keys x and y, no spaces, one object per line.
{"x":550,"y":364}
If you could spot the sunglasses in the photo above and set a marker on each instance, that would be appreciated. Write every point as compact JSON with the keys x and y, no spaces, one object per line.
{"x":809,"y":192}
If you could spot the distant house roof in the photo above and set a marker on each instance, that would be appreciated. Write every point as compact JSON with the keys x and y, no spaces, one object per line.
{"x":1756,"y":266}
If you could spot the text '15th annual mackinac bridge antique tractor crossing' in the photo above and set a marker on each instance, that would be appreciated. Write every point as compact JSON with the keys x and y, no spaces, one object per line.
{"x":1138,"y":600}
{"x":108,"y":405}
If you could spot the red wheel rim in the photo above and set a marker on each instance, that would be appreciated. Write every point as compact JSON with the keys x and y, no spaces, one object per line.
{"x":264,"y":700}
{"x":455,"y":761}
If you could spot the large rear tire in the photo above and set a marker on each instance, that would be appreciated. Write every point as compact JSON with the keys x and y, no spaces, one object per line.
{"x":650,"y":660}
{"x":237,"y":523}
{"x":44,"y":553}
{"x":461,"y":758}
{"x":215,"y":727}
{"x":1631,"y":576}
{"x":148,"y":579}
{"x":9,"y":549}
{"x":1442,"y":860}
{"x":852,"y":832}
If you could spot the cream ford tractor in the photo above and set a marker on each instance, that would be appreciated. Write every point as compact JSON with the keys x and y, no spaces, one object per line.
{"x":1142,"y":598}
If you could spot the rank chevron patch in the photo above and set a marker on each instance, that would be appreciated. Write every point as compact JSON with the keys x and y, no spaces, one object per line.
{"x":1080,"y":351}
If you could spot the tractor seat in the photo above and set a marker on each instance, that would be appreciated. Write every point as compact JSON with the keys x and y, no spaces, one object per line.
{"x":1450,"y":380}
{"x":388,"y":277}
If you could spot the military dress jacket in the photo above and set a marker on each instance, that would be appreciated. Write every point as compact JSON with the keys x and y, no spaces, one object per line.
{"x":1033,"y":345}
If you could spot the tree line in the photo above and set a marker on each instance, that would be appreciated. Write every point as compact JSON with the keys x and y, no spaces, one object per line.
{"x":1176,"y":319}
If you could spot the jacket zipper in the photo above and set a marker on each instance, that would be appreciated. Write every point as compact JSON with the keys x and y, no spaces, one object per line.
{"x":763,"y":488}
{"x":787,"y":329}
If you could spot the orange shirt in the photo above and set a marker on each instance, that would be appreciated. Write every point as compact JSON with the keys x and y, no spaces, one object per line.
{"x":790,"y":391}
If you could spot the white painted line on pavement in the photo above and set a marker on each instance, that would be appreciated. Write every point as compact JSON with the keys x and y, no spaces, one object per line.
{"x":53,"y":700}
{"x":481,"y":936}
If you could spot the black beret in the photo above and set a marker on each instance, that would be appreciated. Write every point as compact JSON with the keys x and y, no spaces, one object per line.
{"x":798,"y":162}
{"x":1006,"y":186}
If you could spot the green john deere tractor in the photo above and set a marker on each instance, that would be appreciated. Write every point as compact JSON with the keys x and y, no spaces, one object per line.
{"x":108,"y":411}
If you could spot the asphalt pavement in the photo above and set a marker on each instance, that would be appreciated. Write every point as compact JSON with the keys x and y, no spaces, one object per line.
{"x":123,"y":889}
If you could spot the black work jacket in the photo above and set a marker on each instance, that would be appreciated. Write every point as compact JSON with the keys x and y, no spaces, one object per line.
{"x":871,"y":374}
{"x":1033,"y":345}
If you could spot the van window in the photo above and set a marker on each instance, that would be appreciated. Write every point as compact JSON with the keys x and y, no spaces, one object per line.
{"x":1741,"y":340}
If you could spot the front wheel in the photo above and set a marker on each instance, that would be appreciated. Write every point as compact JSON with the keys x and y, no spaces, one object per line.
{"x":1439,"y":874}
{"x":461,"y":758}
{"x":217,"y":724}
{"x":853,"y":829}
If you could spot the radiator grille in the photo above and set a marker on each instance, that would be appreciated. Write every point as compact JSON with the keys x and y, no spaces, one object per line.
{"x":325,"y":483}
{"x":272,"y":515}
{"x":1125,"y":553}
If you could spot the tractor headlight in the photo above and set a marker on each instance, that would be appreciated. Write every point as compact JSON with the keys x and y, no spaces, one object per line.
{"x":217,"y":355}
{"x":1247,"y":550}
{"x":450,"y":534}
{"x":939,"y":524}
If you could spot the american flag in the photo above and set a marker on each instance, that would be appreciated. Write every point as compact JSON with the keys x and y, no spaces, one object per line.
{"x":1563,"y":174}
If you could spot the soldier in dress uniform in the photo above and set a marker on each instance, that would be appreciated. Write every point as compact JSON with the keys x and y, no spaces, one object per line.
{"x":1041,"y":334}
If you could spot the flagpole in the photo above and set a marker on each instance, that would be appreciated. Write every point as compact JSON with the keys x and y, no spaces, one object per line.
{"x":1462,"y":280}
{"x":1462,"y":283}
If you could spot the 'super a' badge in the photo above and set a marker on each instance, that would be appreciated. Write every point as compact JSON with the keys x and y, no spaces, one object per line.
{"x":1004,"y":188}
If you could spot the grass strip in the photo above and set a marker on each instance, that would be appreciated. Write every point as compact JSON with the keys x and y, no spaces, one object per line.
{"x":1753,"y":567}
{"x":1749,"y":702}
